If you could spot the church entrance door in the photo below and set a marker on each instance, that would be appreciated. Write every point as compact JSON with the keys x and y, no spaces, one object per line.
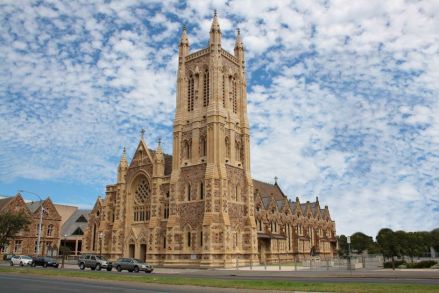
{"x":132,"y":250}
{"x":143,"y":252}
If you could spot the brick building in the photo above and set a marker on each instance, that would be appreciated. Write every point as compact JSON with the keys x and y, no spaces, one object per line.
{"x":25,"y":242}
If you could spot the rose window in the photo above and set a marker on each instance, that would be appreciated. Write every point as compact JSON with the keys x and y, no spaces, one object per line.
{"x":142,"y":191}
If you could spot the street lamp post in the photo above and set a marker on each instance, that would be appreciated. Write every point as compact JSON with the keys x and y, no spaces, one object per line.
{"x":100,"y":243}
{"x":64,"y":251}
{"x":41,"y":219}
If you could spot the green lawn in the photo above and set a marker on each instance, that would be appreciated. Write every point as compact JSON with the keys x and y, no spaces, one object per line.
{"x":243,"y":284}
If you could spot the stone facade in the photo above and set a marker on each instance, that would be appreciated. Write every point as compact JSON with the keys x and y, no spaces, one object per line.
{"x":25,"y":242}
{"x":196,"y":207}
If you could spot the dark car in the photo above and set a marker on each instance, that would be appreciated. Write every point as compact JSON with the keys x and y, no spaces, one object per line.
{"x":45,"y":262}
{"x":132,"y":265}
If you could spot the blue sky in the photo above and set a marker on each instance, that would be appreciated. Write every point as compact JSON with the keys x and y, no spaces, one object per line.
{"x":343,"y":97}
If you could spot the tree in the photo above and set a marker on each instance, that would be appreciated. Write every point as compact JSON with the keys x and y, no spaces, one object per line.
{"x":361,"y":242}
{"x":11,"y":224}
{"x":342,"y":245}
{"x":434,"y":238}
{"x":388,"y":242}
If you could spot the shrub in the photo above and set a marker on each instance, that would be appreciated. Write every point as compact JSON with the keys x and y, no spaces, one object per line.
{"x":388,"y":264}
{"x":422,"y":264}
{"x":404,"y":266}
{"x":436,"y":266}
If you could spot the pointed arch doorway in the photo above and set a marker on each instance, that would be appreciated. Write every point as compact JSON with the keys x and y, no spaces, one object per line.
{"x":143,"y":252}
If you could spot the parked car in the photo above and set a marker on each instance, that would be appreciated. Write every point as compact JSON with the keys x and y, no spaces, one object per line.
{"x":132,"y":265}
{"x":21,"y":260}
{"x":45,"y":262}
{"x":94,"y":262}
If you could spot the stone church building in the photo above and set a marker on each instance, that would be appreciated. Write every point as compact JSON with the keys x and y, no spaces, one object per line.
{"x":201,"y":207}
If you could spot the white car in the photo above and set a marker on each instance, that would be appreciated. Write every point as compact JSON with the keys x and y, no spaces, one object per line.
{"x":21,"y":260}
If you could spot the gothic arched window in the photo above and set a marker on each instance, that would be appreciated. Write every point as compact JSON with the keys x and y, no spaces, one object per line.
{"x":187,"y":149}
{"x":206,"y":88}
{"x":227,"y":146}
{"x":188,"y":192}
{"x":142,"y":192}
{"x":237,"y":151}
{"x":201,"y":190}
{"x":190,"y":93}
{"x":203,"y":146}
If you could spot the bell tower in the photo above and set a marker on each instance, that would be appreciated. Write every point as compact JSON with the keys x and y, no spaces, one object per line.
{"x":211,"y":205}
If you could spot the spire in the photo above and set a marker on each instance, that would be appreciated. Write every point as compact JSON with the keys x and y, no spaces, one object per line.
{"x":183,"y":47}
{"x":159,"y":166}
{"x":215,"y":32}
{"x":239,"y":46}
{"x":123,"y":166}
{"x":123,"y":160}
{"x":159,"y":146}
{"x":238,"y":42}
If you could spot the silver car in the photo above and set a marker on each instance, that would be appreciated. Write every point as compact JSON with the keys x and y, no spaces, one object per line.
{"x":21,"y":260}
{"x":132,"y":265}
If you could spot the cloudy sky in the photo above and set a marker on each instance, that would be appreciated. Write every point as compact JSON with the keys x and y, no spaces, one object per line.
{"x":343,"y":97}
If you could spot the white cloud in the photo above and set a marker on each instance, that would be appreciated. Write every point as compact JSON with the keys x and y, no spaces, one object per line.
{"x":342,"y":95}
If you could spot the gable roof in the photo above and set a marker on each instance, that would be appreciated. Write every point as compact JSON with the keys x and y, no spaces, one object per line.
{"x":34,"y":205}
{"x":267,"y":189}
{"x":5,"y":201}
{"x":72,"y":223}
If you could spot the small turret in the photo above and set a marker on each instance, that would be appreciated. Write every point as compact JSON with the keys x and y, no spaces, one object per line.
{"x":123,"y":166}
{"x":215,"y":34}
{"x":239,"y":46}
{"x":183,"y":47}
{"x":159,"y":161}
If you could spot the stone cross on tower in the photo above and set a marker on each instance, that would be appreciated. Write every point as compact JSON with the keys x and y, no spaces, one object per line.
{"x":142,"y":132}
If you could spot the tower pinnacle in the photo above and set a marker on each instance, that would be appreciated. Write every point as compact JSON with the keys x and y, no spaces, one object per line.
{"x":183,"y":47}
{"x":215,"y":32}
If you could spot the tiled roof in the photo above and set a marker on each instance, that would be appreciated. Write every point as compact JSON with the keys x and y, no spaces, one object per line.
{"x":266,"y":201}
{"x":34,"y":205}
{"x":168,"y":161}
{"x":72,"y":224}
{"x":5,"y":201}
{"x":267,"y":189}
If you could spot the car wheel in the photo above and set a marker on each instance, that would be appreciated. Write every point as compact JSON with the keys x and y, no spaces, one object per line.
{"x":45,"y":265}
{"x":21,"y":263}
{"x":136,"y":269}
{"x":109,"y":269}
{"x":98,"y":267}
{"x":11,"y":263}
{"x":119,"y":268}
{"x":82,"y":266}
{"x":148,"y":272}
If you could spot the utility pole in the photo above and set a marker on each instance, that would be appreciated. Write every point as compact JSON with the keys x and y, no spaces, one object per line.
{"x":41,"y":219}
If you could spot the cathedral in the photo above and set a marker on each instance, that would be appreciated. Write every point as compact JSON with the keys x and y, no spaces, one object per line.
{"x":200,"y":207}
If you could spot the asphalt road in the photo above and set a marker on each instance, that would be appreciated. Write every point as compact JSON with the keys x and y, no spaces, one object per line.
{"x":42,"y":284}
{"x":430,"y":277}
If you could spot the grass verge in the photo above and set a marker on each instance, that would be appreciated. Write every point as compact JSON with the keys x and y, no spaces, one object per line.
{"x":238,"y":284}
